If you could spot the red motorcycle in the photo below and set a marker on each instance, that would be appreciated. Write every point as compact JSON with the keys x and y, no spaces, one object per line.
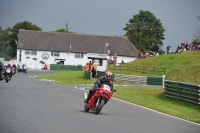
{"x":100,"y":97}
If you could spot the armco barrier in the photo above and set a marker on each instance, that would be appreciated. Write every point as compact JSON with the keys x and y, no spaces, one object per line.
{"x":87,"y":75}
{"x":65,"y":67}
{"x":182,"y":91}
{"x":99,"y":73}
{"x":143,"y":80}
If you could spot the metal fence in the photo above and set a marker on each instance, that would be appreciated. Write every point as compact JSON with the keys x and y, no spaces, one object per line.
{"x":182,"y":91}
{"x":65,"y":67}
{"x":140,"y":68}
{"x":142,"y":80}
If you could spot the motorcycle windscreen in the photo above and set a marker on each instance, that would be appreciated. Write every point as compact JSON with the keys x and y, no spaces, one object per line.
{"x":106,"y":87}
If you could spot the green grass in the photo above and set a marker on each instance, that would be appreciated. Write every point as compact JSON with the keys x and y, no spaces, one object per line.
{"x":184,"y":67}
{"x":154,"y":99}
{"x":67,"y":77}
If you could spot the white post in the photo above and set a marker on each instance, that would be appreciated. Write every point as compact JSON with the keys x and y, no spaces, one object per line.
{"x":163,"y":81}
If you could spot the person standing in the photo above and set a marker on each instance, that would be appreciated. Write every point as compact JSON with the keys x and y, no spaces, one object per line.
{"x":115,"y":59}
{"x":94,"y":69}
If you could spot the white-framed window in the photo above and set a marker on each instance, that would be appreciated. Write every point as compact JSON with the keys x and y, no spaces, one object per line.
{"x":57,"y":54}
{"x":30,"y":52}
{"x":78,"y":55}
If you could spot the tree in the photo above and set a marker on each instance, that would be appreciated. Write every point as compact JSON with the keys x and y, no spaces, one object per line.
{"x":4,"y":36}
{"x":196,"y":36}
{"x":67,"y":29}
{"x":60,"y":30}
{"x":145,"y":31}
{"x":13,"y":37}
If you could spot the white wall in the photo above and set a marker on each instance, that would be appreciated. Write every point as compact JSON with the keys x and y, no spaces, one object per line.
{"x":69,"y":60}
{"x":124,"y":58}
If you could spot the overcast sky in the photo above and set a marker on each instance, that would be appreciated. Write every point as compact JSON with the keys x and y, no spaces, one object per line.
{"x":104,"y":17}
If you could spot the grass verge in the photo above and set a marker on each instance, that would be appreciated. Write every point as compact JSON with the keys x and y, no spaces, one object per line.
{"x":155,"y":99}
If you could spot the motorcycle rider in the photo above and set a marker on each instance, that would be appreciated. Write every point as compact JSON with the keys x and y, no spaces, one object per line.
{"x":15,"y":68}
{"x":8,"y":66}
{"x":107,"y":79}
{"x":24,"y":68}
{"x":1,"y":69}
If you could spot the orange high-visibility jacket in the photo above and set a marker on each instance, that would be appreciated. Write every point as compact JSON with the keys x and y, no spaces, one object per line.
{"x":87,"y":68}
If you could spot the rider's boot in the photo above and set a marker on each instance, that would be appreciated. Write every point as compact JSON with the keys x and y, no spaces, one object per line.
{"x":89,"y":96}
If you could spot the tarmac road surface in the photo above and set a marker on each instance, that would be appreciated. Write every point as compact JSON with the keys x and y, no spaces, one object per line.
{"x":32,"y":106}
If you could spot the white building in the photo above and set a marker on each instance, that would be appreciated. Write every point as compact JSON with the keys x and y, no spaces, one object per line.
{"x":36,"y":47}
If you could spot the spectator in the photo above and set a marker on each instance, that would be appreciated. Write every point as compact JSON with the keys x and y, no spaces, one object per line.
{"x":87,"y":67}
{"x":168,"y":49}
{"x":45,"y":66}
{"x":178,"y":50}
{"x":151,"y":53}
{"x":198,"y":46}
{"x":147,"y":54}
{"x":90,"y":64}
{"x":186,"y":46}
{"x":139,"y":55}
{"x":94,"y":69}
{"x":156,"y":54}
{"x":115,"y":58}
{"x":159,"y":50}
{"x":122,"y":62}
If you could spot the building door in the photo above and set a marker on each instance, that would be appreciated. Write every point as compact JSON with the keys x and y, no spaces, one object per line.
{"x":62,"y":62}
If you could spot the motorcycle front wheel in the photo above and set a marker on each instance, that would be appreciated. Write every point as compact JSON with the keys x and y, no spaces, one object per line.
{"x":99,"y":106}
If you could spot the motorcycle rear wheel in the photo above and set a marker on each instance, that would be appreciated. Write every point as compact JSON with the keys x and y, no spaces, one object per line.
{"x":99,"y":106}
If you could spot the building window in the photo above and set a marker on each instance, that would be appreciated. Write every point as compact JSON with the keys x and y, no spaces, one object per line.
{"x":78,"y":55}
{"x":57,"y":54}
{"x":30,"y":52}
{"x":33,"y":52}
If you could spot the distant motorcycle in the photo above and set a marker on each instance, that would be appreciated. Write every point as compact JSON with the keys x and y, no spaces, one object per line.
{"x":24,"y":69}
{"x":1,"y":76}
{"x":13,"y":70}
{"x":8,"y":74}
{"x":100,"y":97}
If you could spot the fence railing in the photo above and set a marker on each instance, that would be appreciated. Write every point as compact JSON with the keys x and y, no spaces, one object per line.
{"x":182,"y":91}
{"x":140,"y":68}
{"x":142,"y":80}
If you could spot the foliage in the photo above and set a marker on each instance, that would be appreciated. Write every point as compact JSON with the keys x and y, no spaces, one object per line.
{"x":9,"y":36}
{"x":4,"y":36}
{"x":145,"y":31}
{"x":196,"y":35}
{"x":67,"y":29}
{"x":60,"y":30}
{"x":63,"y":30}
